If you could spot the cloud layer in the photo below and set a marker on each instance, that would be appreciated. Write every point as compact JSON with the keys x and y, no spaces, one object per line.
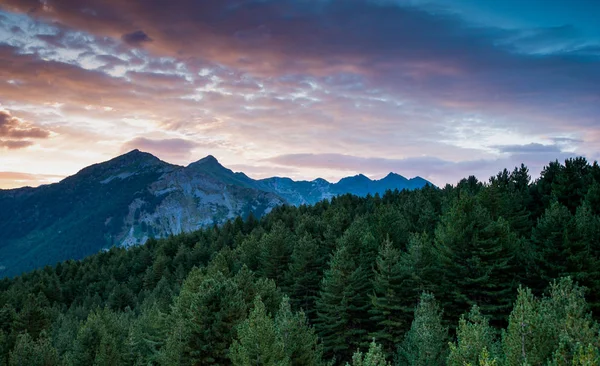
{"x":17,"y":134}
{"x":309,"y":87}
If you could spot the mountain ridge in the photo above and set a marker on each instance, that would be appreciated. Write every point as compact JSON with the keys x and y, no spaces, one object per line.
{"x":136,"y":196}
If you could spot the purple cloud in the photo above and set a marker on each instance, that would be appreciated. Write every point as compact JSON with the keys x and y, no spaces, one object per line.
{"x":174,"y":148}
{"x":136,"y":38}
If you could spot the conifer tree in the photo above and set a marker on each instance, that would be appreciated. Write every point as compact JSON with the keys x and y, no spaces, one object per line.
{"x":552,"y":238}
{"x":275,"y":250}
{"x":474,"y":334}
{"x":300,"y":342}
{"x":304,"y":275}
{"x":29,"y":352}
{"x":477,"y":256}
{"x":147,"y":335}
{"x":519,"y":342}
{"x":387,"y":310}
{"x":209,"y":311}
{"x":584,"y":259}
{"x":257,"y":342}
{"x":374,"y":357}
{"x":101,"y":339}
{"x":342,"y":307}
{"x":425,"y":344}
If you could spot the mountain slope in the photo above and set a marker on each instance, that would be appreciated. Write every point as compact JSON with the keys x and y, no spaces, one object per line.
{"x":133,"y":197}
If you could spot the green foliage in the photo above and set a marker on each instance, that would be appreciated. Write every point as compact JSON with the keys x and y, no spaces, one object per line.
{"x":258,"y":342}
{"x":474,"y":335}
{"x":477,"y":256}
{"x":206,"y":313}
{"x":300,"y":343}
{"x":28,"y":352}
{"x":146,"y":338}
{"x":101,"y":339}
{"x":304,"y":275}
{"x":353,"y":268}
{"x":374,"y":357}
{"x":425,"y":344}
{"x":343,"y":303}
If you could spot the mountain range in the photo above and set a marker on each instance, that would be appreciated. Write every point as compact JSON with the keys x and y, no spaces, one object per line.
{"x":136,"y":196}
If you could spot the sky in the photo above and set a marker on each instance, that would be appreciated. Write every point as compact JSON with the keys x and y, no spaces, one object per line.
{"x":441,"y":89}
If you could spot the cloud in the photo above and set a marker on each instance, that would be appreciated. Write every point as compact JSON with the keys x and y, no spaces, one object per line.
{"x":532,"y":148}
{"x":15,"y":144}
{"x":18,"y":179}
{"x":136,"y":38}
{"x":268,"y":77}
{"x":174,"y":148}
{"x":16,"y":133}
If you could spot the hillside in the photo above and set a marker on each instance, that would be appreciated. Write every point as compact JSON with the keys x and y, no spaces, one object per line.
{"x":427,"y":277}
{"x":136,"y":196}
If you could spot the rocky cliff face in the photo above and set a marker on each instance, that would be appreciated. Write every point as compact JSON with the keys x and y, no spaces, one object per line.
{"x":136,"y":196}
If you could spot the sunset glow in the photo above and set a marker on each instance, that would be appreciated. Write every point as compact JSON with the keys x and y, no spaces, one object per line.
{"x":303,"y":89}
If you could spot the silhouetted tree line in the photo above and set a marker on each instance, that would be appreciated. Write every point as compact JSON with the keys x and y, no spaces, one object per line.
{"x":504,"y":272}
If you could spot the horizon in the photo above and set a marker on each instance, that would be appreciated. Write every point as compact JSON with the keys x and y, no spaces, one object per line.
{"x":225,"y":167}
{"x":306,"y":90}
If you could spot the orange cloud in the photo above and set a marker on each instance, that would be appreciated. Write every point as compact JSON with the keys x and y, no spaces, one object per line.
{"x":16,"y":133}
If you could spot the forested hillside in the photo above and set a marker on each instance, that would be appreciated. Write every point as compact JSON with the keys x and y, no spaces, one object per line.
{"x":136,"y":196}
{"x":503,"y":272}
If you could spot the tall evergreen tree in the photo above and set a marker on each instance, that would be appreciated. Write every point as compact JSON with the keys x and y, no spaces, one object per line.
{"x":147,"y":335}
{"x":473,"y":336}
{"x":477,"y":257}
{"x":387,"y":310}
{"x":209,"y":309}
{"x":425,"y":344}
{"x":342,"y":307}
{"x":257,"y":342}
{"x":374,"y":357}
{"x":552,"y":238}
{"x":28,"y":352}
{"x":301,"y":344}
{"x":304,"y":275}
{"x":275,"y":250}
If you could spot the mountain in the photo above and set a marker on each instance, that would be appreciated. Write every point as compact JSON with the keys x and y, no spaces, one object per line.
{"x":136,"y":196}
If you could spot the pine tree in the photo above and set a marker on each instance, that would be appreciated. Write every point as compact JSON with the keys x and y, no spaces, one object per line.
{"x":299,"y":339}
{"x":387,"y":311}
{"x":209,"y":309}
{"x":555,"y":330}
{"x":304,"y":275}
{"x":552,"y":239}
{"x":275,"y":250}
{"x":474,"y":334}
{"x":477,"y":256}
{"x":28,"y":352}
{"x":374,"y":357}
{"x":257,"y":342}
{"x":425,"y":344}
{"x":584,"y":256}
{"x":34,"y":317}
{"x":519,"y":342}
{"x":101,"y":339}
{"x":147,"y":335}
{"x":342,"y":305}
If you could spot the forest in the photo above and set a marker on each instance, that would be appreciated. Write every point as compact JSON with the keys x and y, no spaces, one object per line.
{"x":498,"y":272}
